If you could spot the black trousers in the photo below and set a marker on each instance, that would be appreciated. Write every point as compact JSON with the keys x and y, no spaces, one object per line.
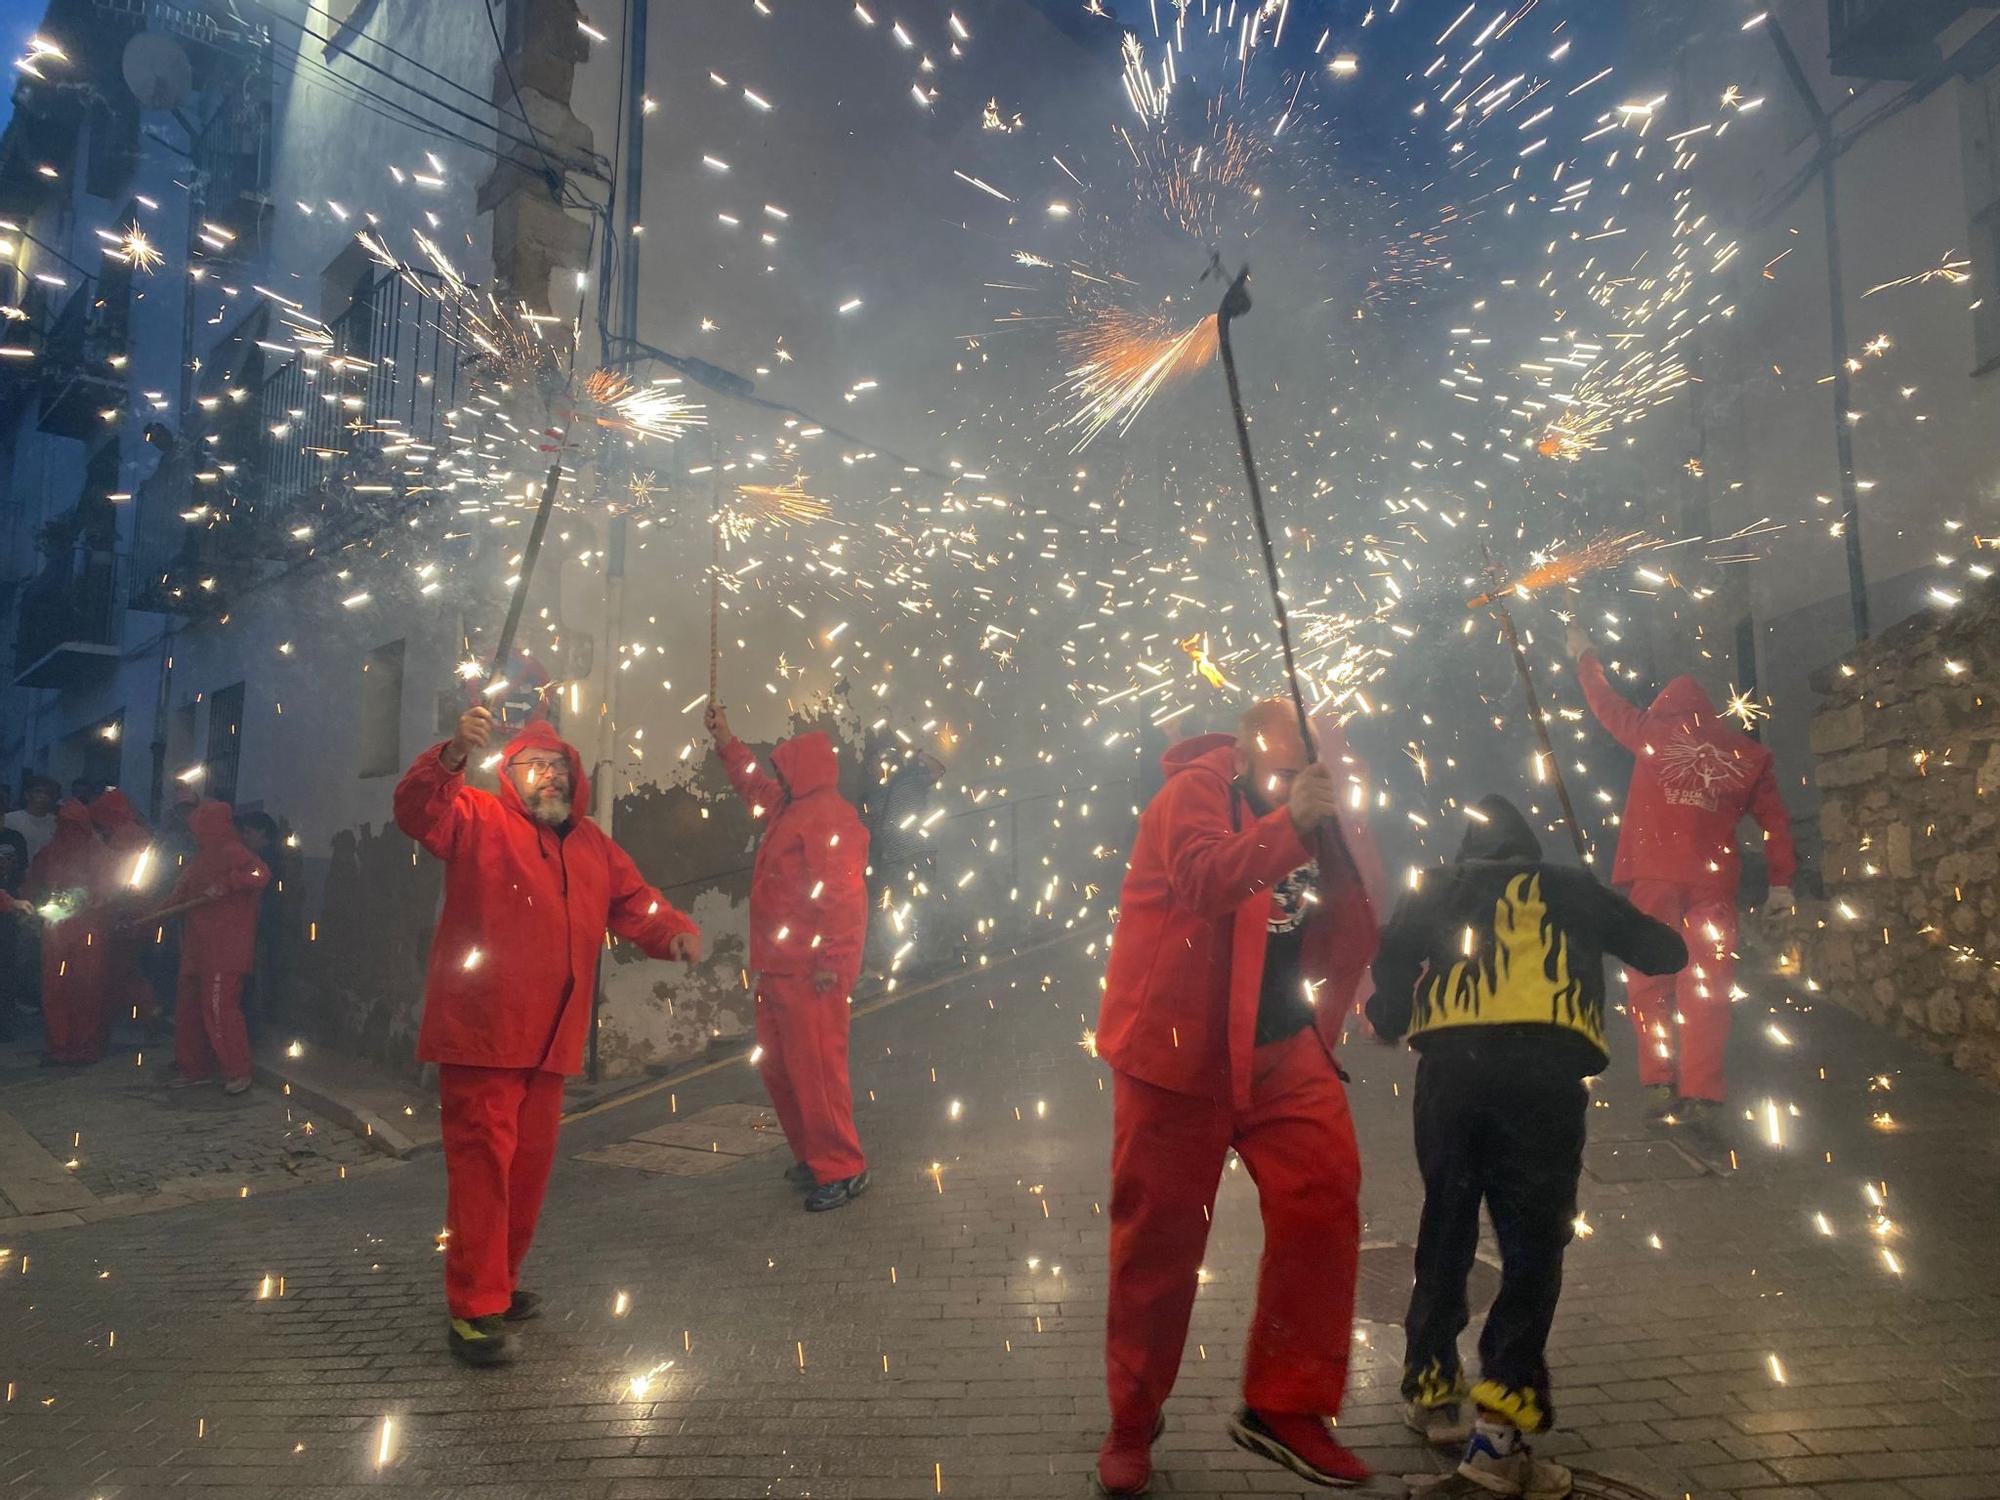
{"x":1490,"y":1129}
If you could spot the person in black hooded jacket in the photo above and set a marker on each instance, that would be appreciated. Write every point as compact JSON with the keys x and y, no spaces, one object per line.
{"x":1494,"y":970}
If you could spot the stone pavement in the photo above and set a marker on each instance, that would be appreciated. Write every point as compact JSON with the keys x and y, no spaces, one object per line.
{"x":1822,"y":1321}
{"x":121,"y":1141}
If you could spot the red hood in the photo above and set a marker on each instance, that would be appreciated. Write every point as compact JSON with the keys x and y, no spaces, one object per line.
{"x":541,"y":736}
{"x":1684,"y":697}
{"x":1201,"y":750}
{"x":213,"y":825}
{"x":806,"y":763}
{"x":70,"y":857}
{"x":113,"y":810}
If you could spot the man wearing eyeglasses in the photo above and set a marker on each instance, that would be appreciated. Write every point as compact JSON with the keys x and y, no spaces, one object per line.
{"x":531,"y":886}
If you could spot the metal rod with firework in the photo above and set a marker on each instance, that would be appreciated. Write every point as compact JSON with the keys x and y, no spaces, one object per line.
{"x":1235,"y":303}
{"x":529,"y":554}
{"x":1495,"y":599}
{"x":1328,"y":844}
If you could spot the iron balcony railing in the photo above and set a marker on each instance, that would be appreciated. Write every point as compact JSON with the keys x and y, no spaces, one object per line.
{"x":375,"y":393}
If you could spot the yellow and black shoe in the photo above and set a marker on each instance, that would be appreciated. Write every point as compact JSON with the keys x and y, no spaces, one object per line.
{"x":480,"y":1341}
{"x":525,"y":1305}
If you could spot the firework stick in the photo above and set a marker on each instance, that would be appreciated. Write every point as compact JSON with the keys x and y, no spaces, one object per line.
{"x":714,"y":604}
{"x":1498,"y":603}
{"x":714,"y":576}
{"x":1329,"y":844}
{"x":1235,"y":303}
{"x":529,"y":554}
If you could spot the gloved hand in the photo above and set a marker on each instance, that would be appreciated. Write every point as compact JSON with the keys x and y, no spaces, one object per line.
{"x":1780,"y":907}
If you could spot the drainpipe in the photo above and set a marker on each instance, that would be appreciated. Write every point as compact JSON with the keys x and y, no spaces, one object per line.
{"x":1836,"y":291}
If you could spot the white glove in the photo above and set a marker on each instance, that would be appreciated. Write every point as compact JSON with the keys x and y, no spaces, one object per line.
{"x":1780,"y":902}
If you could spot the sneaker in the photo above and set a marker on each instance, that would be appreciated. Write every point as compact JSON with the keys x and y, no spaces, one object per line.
{"x":1446,"y":1425}
{"x":1517,"y":1476}
{"x":799,"y":1175}
{"x":236,"y":1086}
{"x":182,"y":1081}
{"x":1125,"y":1467}
{"x":837,"y":1193}
{"x":1660,"y":1100}
{"x":1708,"y":1115}
{"x":1302,"y":1444}
{"x":525,"y":1305}
{"x":480,"y":1341}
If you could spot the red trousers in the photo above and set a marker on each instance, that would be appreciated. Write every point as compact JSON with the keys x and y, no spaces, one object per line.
{"x":75,"y":1018}
{"x":1684,"y":1018}
{"x":128,"y":992}
{"x":499,"y":1127}
{"x":208,"y":1027}
{"x":1167,"y":1153}
{"x":803,"y":1032}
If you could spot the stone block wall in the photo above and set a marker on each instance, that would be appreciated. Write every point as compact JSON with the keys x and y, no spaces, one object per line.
{"x":1906,"y":738}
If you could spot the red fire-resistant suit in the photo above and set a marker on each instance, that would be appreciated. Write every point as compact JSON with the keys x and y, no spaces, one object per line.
{"x":1693,"y":781}
{"x":1177,"y":1026}
{"x":70,"y":873}
{"x":127,"y":990}
{"x":507,"y":1000}
{"x":218,"y":944}
{"x":808,"y":914}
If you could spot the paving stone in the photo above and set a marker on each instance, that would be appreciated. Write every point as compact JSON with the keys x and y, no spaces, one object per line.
{"x":976,"y":1267}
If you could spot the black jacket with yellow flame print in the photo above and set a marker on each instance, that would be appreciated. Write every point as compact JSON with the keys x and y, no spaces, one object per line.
{"x":1499,"y":946}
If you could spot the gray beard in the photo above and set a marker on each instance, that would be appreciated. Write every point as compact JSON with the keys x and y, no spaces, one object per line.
{"x":555,"y":814}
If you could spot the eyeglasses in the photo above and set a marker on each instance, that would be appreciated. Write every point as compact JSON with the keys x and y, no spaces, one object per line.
{"x":539,"y":768}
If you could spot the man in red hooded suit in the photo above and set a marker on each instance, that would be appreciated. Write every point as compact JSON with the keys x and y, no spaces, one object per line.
{"x":531,"y":886}
{"x":1243,"y":929}
{"x":127,"y":846}
{"x":217,"y":897}
{"x":808,"y":922}
{"x":68,"y":876}
{"x":1694,"y":779}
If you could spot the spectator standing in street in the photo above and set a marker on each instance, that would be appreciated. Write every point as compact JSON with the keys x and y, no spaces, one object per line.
{"x":132,"y":874}
{"x":1694,"y":780}
{"x":260,"y":835}
{"x":216,"y":898}
{"x":531,"y":885}
{"x":1241,"y":909}
{"x":35,"y":818}
{"x":1494,"y":970}
{"x":808,"y":923}
{"x":68,"y":879}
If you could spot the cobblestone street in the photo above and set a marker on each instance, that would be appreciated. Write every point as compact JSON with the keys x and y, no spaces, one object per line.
{"x":1821,"y":1321}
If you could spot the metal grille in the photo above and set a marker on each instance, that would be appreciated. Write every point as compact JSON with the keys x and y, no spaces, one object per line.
{"x":388,"y":376}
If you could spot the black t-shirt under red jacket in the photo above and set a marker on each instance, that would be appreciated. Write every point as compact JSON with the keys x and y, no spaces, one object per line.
{"x":1187,"y":955}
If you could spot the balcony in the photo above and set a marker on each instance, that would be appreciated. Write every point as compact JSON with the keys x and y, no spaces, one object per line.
{"x":1895,"y":39}
{"x":70,"y":331}
{"x":67,"y":634}
{"x":373,"y":400}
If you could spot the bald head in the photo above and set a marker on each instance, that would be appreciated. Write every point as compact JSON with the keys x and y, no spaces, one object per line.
{"x":1269,"y":753}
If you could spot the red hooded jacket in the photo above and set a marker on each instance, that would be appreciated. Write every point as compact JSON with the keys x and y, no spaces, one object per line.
{"x":1187,"y":954}
{"x":1694,"y":780}
{"x":73,"y":859}
{"x":124,"y":834}
{"x":514,"y":960}
{"x":808,"y":892}
{"x":118,"y":820}
{"x":219,"y":936}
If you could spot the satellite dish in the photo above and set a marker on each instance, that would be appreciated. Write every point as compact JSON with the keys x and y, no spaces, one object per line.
{"x":157,"y":71}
